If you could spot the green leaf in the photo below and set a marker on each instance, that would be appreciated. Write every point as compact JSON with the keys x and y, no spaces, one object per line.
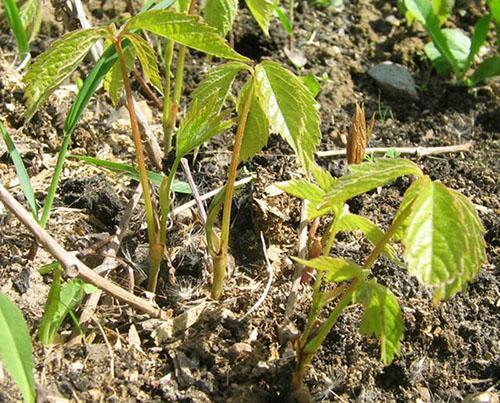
{"x":459,"y":45}
{"x":15,"y":348}
{"x":437,"y":60}
{"x":217,"y":80}
{"x":147,"y":58}
{"x":262,"y":11}
{"x":53,"y":66}
{"x":256,"y":128}
{"x":443,"y":9}
{"x":382,"y":318}
{"x":495,"y":9}
{"x":443,"y":241}
{"x":424,"y":13}
{"x":22,"y":173}
{"x":336,"y":269}
{"x":285,"y":21}
{"x":154,"y":177}
{"x":45,"y":333}
{"x":322,"y":176}
{"x":302,"y":189}
{"x":291,"y":109}
{"x":17,"y":27}
{"x":353,"y":222}
{"x":478,"y":39}
{"x":488,"y":68}
{"x":113,"y":81}
{"x":368,"y":176}
{"x":185,"y":29}
{"x":31,"y":17}
{"x":200,"y":123}
{"x":220,"y":14}
{"x":312,"y":83}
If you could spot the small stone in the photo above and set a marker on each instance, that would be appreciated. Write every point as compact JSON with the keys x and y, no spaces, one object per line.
{"x":240,"y":350}
{"x":484,"y":397}
{"x":395,"y":79}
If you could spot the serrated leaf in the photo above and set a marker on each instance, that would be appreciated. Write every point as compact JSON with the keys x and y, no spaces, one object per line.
{"x":353,"y":222}
{"x":31,"y":17}
{"x":256,"y":128}
{"x":220,"y":14}
{"x":262,"y":11}
{"x":147,"y":59}
{"x":15,"y":348}
{"x":368,"y":176}
{"x":443,"y":240}
{"x":200,"y":123}
{"x":22,"y":173}
{"x":488,"y":68}
{"x":113,"y":81}
{"x":53,"y":66}
{"x":382,"y":318}
{"x":324,"y":179}
{"x":336,"y":269}
{"x":291,"y":109}
{"x":185,"y":29}
{"x":217,"y":80}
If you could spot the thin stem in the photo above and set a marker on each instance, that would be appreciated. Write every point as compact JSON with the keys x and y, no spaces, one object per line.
{"x":167,"y":127}
{"x":220,"y":260}
{"x":139,"y":153}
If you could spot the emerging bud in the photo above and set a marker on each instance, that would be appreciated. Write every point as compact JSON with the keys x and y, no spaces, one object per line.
{"x":359,"y":135}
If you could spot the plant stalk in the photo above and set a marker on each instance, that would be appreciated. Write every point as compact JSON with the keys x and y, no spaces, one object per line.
{"x":166,"y":119}
{"x":220,"y":259}
{"x":155,"y":250}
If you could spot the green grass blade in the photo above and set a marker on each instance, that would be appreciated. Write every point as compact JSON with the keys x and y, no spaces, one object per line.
{"x":15,"y":348}
{"x":22,"y":173}
{"x":16,"y":25}
{"x":155,"y":177}
{"x":45,"y":333}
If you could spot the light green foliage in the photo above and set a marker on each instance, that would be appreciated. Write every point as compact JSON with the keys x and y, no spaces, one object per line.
{"x":368,"y":176}
{"x":443,"y":240}
{"x":147,"y":59}
{"x":31,"y":17}
{"x":201,"y":123}
{"x":303,"y":189}
{"x":495,"y":9}
{"x":262,"y":11}
{"x":16,"y":25}
{"x":22,"y":174}
{"x":488,"y":68}
{"x":15,"y":348}
{"x":382,"y":318}
{"x":291,"y":109}
{"x":256,"y":129}
{"x":335,"y":269}
{"x":113,"y":81}
{"x":185,"y":29}
{"x":217,"y":80}
{"x":281,"y":14}
{"x":220,"y":14}
{"x":52,"y":67}
{"x":312,"y":82}
{"x":459,"y":45}
{"x":443,"y":9}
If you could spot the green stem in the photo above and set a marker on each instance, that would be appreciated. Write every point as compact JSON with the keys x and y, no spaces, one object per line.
{"x":220,"y":260}
{"x":139,"y":153}
{"x":166,"y":120}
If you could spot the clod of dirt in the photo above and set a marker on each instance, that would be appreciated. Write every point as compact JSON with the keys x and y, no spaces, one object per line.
{"x":95,"y":194}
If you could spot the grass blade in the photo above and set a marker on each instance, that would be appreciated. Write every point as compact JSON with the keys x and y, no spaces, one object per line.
{"x":22,"y":173}
{"x":15,"y":348}
{"x":17,"y":27}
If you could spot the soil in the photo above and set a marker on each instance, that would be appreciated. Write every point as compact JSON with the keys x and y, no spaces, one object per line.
{"x":449,"y":352}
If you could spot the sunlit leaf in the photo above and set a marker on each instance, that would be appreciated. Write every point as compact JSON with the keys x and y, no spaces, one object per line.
{"x":382,"y":318}
{"x":291,"y":109}
{"x":31,"y":17}
{"x":53,"y":66}
{"x":15,"y":348}
{"x":16,"y":25}
{"x":262,"y":11}
{"x":220,"y":14}
{"x":186,"y":29}
{"x":113,"y":81}
{"x":336,"y":269}
{"x":488,"y":68}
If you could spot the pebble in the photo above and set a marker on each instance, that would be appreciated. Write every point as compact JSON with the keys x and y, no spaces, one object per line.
{"x":394,"y":79}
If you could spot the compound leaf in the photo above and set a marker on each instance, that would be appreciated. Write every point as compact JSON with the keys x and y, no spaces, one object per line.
{"x":52,"y":67}
{"x":443,"y":240}
{"x":291,"y":109}
{"x":15,"y":348}
{"x":185,"y":29}
{"x":262,"y":11}
{"x":257,"y":127}
{"x":368,"y":176}
{"x":220,"y":14}
{"x":147,"y":59}
{"x":382,"y":318}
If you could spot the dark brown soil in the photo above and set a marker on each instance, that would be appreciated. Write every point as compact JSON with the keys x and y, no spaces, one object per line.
{"x":449,"y":351}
